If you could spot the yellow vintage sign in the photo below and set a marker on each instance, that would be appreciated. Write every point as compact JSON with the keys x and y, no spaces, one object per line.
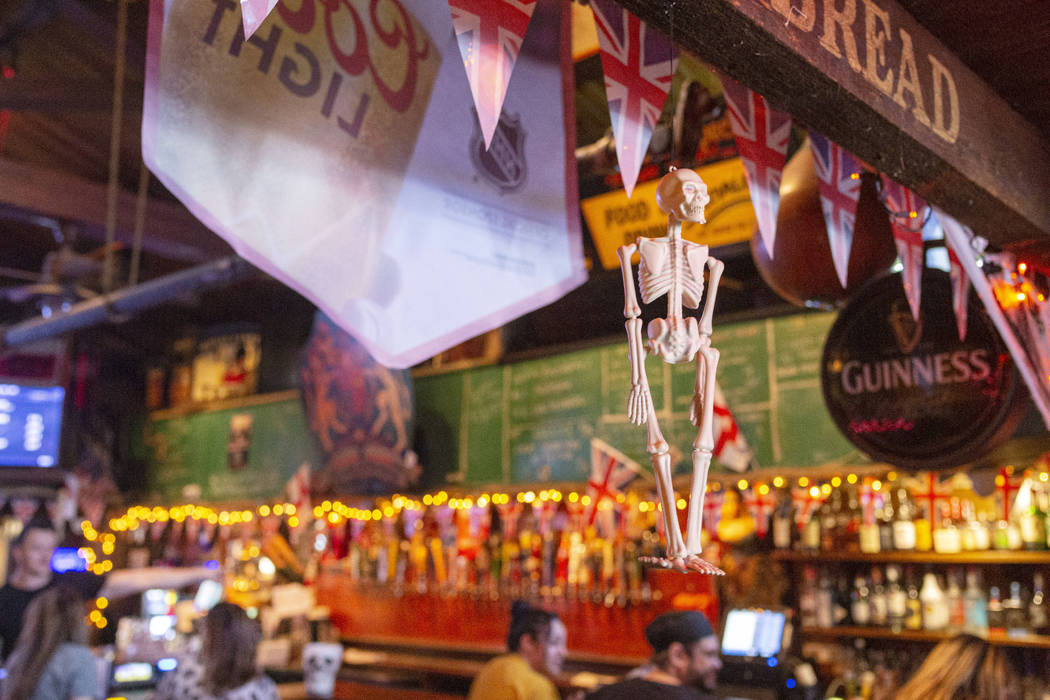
{"x":615,"y":220}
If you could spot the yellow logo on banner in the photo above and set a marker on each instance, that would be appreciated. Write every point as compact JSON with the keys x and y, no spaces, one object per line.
{"x":615,"y":220}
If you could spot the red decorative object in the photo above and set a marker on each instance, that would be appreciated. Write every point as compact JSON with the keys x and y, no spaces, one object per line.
{"x":761,"y":507}
{"x":1005,"y":486}
{"x":933,"y":493}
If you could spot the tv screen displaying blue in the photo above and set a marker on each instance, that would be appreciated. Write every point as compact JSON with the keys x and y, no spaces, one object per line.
{"x":30,"y":425}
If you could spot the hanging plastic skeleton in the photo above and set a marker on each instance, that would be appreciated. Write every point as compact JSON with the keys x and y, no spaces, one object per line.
{"x":675,"y":267}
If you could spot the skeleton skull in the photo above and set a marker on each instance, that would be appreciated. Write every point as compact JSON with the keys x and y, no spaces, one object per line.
{"x":682,"y":195}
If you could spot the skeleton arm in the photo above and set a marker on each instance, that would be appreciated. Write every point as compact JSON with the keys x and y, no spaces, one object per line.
{"x":638,"y":401}
{"x":715,"y":274}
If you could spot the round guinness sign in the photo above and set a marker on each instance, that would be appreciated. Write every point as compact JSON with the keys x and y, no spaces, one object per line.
{"x":913,"y":394}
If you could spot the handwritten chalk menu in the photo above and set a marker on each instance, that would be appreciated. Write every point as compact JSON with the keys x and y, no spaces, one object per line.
{"x":532,"y":421}
{"x":30,"y":425}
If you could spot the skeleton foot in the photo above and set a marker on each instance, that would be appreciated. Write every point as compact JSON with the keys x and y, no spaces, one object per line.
{"x":684,"y":564}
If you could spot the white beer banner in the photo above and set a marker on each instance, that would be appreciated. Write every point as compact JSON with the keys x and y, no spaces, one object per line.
{"x":337,"y":150}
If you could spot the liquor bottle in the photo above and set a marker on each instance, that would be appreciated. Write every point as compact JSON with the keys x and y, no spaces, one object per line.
{"x":841,"y":612}
{"x":976,"y":605}
{"x":847,"y":527}
{"x":884,"y":516}
{"x":783,"y":521}
{"x":860,"y":604}
{"x":825,"y":601}
{"x":831,"y":517}
{"x":904,"y":522}
{"x":807,"y":598}
{"x":934,"y":604}
{"x":1014,"y":612}
{"x":1032,"y":520}
{"x":924,"y":530}
{"x":811,"y":531}
{"x":1037,"y":612}
{"x":913,"y":620}
{"x":956,"y":604}
{"x":947,"y":538}
{"x":879,"y":603}
{"x":868,"y":531}
{"x":996,"y":618}
{"x":896,"y":600}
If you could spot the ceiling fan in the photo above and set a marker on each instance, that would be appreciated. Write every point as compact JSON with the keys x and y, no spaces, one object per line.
{"x":65,"y":278}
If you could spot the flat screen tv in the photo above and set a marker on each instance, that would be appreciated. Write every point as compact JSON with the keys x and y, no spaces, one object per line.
{"x":30,"y":425}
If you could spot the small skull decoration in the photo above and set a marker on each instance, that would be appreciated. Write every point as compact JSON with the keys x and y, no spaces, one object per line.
{"x":683,"y":195}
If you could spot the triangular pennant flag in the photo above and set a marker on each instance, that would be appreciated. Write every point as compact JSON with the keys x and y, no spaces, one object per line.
{"x":713,"y":501}
{"x":489,"y":33}
{"x":838,"y":171}
{"x":960,"y":286}
{"x":638,"y":62}
{"x":611,"y":472}
{"x":762,"y":135}
{"x":731,"y":446}
{"x":254,"y":13}
{"x":907,"y":215}
{"x":760,"y":503}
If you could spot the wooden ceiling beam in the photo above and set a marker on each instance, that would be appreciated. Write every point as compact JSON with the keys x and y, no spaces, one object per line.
{"x":872,"y":79}
{"x":170,"y":232}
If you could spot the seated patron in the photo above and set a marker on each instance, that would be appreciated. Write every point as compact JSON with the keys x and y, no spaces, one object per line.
{"x":536,"y":652}
{"x":51,"y":660}
{"x":964,"y":667}
{"x":684,"y":665}
{"x":226,"y":668}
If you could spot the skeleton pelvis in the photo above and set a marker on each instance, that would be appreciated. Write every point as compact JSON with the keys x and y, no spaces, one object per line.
{"x":674,"y":339}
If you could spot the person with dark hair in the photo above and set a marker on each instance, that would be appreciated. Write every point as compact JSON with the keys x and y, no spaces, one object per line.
{"x":684,"y":665}
{"x":536,"y":652}
{"x":225,"y":667}
{"x":31,"y":575}
{"x":964,"y":667}
{"x":51,"y":660}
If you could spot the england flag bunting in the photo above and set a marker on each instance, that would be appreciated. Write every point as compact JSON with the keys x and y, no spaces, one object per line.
{"x":838,"y":171}
{"x":731,"y":446}
{"x":611,"y":472}
{"x":298,"y":491}
{"x":907,"y":215}
{"x":489,"y":34}
{"x":960,"y":286}
{"x":638,"y":62}
{"x":254,"y":13}
{"x":761,"y":134}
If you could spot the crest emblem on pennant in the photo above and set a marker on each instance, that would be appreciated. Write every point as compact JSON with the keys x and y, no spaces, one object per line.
{"x":503,"y":163}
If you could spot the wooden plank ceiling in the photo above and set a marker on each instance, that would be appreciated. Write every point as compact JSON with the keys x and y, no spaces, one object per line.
{"x":56,"y":96}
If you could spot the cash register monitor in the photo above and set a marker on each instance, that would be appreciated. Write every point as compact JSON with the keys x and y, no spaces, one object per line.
{"x":753,"y":633}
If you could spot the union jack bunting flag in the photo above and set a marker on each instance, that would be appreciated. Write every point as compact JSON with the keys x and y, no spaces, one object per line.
{"x":960,"y":288}
{"x":638,"y":63}
{"x":254,"y":13}
{"x":713,"y":501}
{"x":489,"y":33}
{"x":907,"y":216}
{"x":298,"y":490}
{"x":731,"y":446}
{"x":611,"y":472}
{"x":761,"y":506}
{"x":838,"y":171}
{"x":762,"y":135}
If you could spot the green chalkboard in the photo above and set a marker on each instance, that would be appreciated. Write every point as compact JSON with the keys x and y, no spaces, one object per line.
{"x":533,"y":421}
{"x":197,"y":448}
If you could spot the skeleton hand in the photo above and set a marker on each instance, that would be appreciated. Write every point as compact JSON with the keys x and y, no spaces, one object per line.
{"x":638,"y":404}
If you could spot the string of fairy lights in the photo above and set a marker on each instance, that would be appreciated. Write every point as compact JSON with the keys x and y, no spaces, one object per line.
{"x":100,"y":545}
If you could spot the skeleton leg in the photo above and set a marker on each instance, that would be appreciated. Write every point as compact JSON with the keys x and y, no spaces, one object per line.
{"x":661,"y":463}
{"x":703,"y":447}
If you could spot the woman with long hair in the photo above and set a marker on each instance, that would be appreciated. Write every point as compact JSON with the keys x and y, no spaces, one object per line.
{"x":51,"y":660}
{"x":225,"y":669}
{"x":964,"y":667}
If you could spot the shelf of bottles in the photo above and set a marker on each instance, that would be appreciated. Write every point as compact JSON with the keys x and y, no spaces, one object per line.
{"x":1031,"y":641}
{"x":990,"y":557}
